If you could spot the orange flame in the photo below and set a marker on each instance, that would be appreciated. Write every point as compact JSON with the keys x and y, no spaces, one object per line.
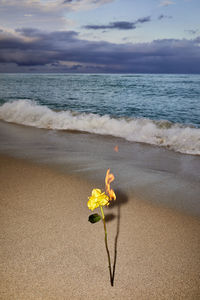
{"x":116,"y":148}
{"x":108,"y":179}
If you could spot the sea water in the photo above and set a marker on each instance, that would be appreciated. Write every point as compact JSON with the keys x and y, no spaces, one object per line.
{"x":162,"y":110}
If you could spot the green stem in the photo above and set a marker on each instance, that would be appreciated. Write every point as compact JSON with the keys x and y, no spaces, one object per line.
{"x":106,"y":244}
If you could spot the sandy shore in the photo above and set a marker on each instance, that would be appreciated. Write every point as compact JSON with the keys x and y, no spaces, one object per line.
{"x":50,"y":251}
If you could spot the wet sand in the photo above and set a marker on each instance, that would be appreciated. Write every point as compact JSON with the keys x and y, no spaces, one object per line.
{"x":153,"y":173}
{"x":49,"y":250}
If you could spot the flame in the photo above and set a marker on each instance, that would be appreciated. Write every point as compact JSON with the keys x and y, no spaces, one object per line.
{"x":116,"y":148}
{"x":108,"y":179}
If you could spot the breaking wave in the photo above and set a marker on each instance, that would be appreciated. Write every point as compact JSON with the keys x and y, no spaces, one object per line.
{"x":177,"y":137}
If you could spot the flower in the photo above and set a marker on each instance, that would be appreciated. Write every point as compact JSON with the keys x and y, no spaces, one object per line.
{"x":97,"y":199}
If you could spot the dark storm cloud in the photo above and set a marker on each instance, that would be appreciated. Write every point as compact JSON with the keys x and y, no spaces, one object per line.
{"x":121,"y":25}
{"x":62,"y":51}
{"x":116,"y":25}
{"x":55,"y":35}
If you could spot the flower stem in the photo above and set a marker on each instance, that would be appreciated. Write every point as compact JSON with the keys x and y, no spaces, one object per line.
{"x":106,"y":244}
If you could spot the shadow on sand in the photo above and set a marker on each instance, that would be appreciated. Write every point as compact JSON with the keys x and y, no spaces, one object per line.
{"x":121,"y":200}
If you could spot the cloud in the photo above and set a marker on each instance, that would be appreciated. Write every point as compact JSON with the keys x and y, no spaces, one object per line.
{"x":48,"y":15}
{"x":30,"y":49}
{"x":121,"y":25}
{"x":192,"y":31}
{"x":166,"y":3}
{"x":77,"y":5}
{"x":116,"y":25}
{"x":160,"y":17}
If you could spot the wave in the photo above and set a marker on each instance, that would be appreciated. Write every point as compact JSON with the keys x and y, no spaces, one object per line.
{"x":178,"y":137}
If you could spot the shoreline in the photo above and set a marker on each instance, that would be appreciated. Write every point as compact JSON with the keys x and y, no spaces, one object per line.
{"x":155,"y":174}
{"x":50,"y":250}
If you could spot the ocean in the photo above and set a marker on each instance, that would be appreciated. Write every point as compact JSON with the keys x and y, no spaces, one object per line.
{"x":146,"y":128}
{"x":161,"y":110}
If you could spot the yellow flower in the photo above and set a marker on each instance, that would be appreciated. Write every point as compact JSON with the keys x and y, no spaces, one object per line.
{"x":97,"y":199}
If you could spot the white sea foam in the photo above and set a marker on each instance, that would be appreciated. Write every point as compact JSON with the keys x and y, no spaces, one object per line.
{"x":177,"y":137}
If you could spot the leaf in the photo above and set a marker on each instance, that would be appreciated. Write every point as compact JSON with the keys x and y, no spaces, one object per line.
{"x":94,"y":218}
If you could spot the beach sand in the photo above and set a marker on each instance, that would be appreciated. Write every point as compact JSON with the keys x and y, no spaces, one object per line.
{"x":49,"y":250}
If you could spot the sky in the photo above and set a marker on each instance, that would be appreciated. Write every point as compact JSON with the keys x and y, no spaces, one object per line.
{"x":100,"y":36}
